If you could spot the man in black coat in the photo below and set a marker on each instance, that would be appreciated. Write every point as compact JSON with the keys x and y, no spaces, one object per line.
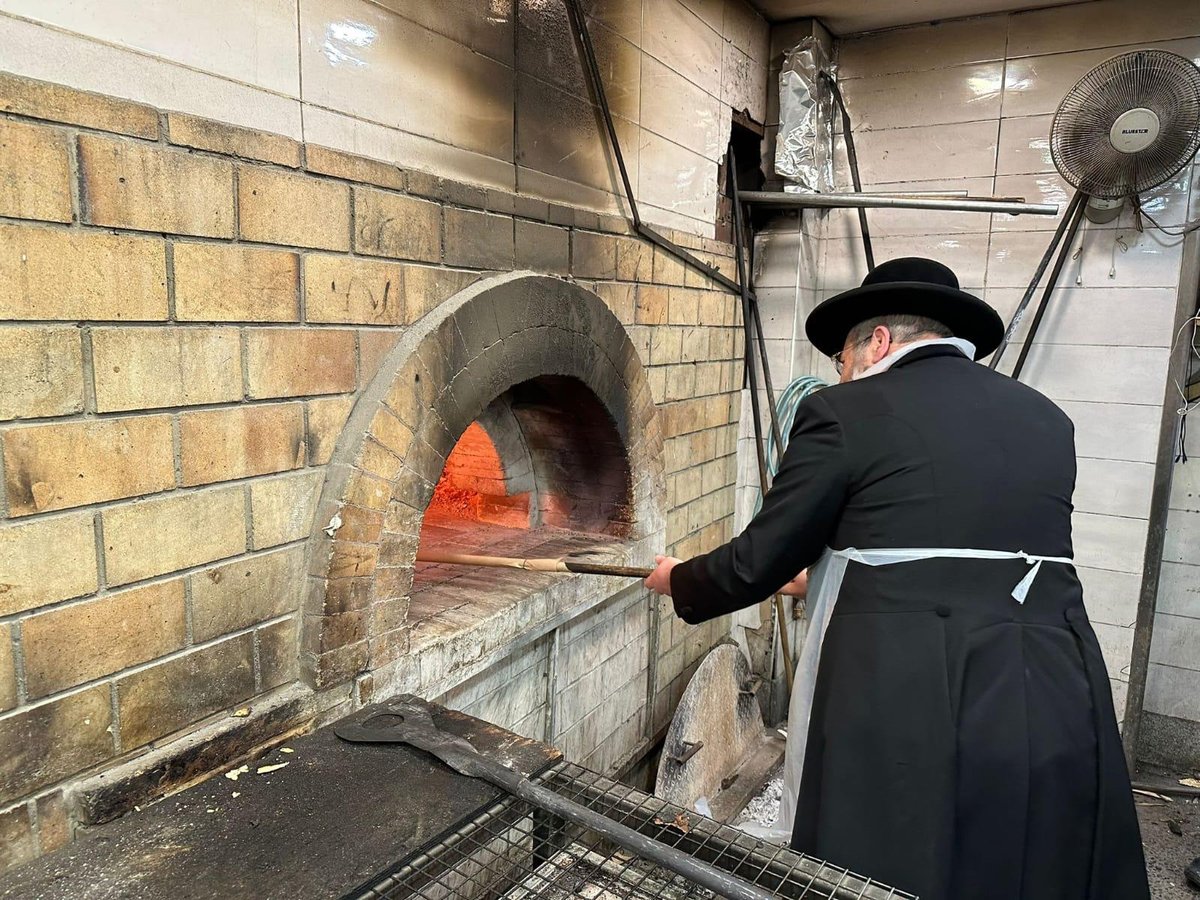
{"x":961,"y":741}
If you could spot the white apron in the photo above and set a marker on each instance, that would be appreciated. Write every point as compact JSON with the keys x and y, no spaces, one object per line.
{"x":824,"y":585}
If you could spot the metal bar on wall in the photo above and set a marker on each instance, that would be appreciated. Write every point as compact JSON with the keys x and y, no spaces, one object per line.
{"x":885,"y":201}
{"x":852,"y":157}
{"x":1160,"y":501}
{"x":1068,"y":221}
{"x":592,"y":68}
{"x":752,"y":323}
{"x":1073,"y":219}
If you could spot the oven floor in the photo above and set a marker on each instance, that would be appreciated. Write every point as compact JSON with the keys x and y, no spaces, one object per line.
{"x":445,"y":597}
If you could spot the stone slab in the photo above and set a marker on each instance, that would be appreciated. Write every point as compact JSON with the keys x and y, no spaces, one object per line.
{"x":334,"y":816}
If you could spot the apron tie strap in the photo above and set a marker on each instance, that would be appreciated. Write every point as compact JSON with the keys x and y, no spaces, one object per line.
{"x":1021,"y":591}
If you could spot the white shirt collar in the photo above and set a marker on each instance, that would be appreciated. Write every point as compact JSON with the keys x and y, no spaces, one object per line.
{"x":966,"y":347}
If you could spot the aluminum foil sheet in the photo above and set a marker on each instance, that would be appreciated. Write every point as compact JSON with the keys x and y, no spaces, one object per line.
{"x":804,"y":148}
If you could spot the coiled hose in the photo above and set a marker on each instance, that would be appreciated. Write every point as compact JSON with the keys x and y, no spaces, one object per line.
{"x":789,"y":400}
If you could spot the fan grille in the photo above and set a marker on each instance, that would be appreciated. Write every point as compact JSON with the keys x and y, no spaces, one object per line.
{"x":1165,"y":83}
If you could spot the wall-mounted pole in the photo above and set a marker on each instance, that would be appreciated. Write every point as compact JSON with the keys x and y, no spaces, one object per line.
{"x":885,"y":201}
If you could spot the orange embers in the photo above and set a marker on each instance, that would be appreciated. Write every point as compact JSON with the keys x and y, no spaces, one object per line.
{"x":473,"y":485}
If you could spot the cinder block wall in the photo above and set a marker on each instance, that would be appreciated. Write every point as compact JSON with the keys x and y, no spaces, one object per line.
{"x":189,"y":311}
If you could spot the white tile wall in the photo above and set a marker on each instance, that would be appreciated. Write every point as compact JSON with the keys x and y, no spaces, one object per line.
{"x":1179,"y":592}
{"x":1137,"y":317}
{"x":1110,"y":597}
{"x":918,"y":49}
{"x":432,"y":86}
{"x":933,"y":97}
{"x":921,"y":153}
{"x":1114,"y":487}
{"x":675,"y":109}
{"x":1034,"y":85}
{"x":1097,"y":374}
{"x":1096,"y":423}
{"x":1109,"y":542}
{"x":1175,"y":692}
{"x":673,"y":33}
{"x":252,"y":43}
{"x":36,"y":51}
{"x":1024,"y":145}
{"x":1106,"y":23}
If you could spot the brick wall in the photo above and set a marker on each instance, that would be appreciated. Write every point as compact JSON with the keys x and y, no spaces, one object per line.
{"x":190,"y":311}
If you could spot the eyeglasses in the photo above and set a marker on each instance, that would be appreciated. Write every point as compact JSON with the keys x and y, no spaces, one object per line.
{"x":838,"y":362}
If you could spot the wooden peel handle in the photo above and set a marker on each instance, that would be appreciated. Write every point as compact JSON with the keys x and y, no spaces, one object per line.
{"x":531,"y":565}
{"x":585,"y":568}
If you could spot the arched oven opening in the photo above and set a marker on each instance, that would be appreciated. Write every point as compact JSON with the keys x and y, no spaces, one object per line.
{"x":541,"y":472}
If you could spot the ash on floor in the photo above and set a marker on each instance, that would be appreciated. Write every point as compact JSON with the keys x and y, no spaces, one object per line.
{"x":763,"y":809}
{"x":1167,"y":853}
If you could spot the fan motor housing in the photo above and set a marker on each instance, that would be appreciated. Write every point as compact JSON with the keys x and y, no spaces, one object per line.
{"x":1134,"y":130}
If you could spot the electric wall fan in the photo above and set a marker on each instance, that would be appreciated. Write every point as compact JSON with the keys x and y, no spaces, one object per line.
{"x":1129,"y":125}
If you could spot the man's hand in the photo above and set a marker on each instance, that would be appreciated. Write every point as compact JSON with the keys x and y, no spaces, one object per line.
{"x":659,"y":580}
{"x":797,"y":587}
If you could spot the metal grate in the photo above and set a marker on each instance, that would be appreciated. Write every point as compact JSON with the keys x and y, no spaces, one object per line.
{"x":513,"y":851}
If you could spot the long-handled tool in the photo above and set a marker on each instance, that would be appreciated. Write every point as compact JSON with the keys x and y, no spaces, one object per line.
{"x":417,"y":729}
{"x":561,"y":564}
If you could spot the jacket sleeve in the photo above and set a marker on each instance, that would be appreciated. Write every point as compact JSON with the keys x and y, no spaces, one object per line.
{"x":797,"y":520}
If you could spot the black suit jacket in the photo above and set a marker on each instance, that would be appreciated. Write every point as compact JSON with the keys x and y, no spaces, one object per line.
{"x":935,"y":452}
{"x":960,"y":744}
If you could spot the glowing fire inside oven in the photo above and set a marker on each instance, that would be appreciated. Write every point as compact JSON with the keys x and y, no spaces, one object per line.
{"x":473,"y":485}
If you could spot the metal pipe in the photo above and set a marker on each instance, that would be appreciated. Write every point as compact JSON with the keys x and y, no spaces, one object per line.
{"x":1178,"y":790}
{"x":750,"y":319}
{"x":1064,"y":253}
{"x":720,"y":883}
{"x":740,"y":245}
{"x":592,"y":71}
{"x":417,"y":729}
{"x":576,"y":17}
{"x":877,"y":201}
{"x":852,"y":157}
{"x":1015,"y":323}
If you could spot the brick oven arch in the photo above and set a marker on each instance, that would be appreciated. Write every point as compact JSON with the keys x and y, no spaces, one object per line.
{"x":445,"y":373}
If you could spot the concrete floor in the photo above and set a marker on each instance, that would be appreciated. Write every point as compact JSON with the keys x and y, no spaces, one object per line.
{"x":1166,"y":853}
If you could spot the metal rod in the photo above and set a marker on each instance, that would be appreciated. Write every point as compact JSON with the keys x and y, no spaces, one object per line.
{"x":740,"y":243}
{"x":1179,"y":790}
{"x":720,"y":883}
{"x":1015,"y":323}
{"x":576,"y":17}
{"x":877,"y":201}
{"x":417,"y":729}
{"x":1160,"y":496}
{"x":749,"y":320}
{"x":772,"y":406}
{"x":592,"y":71}
{"x":852,"y":156}
{"x":1064,"y":253}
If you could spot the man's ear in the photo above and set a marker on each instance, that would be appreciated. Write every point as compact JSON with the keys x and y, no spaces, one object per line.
{"x":881,"y":344}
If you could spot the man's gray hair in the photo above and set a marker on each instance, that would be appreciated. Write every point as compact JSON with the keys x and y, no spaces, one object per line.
{"x":904,"y":328}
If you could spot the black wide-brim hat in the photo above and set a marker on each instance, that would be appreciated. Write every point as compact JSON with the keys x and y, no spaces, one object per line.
{"x":907,"y":286}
